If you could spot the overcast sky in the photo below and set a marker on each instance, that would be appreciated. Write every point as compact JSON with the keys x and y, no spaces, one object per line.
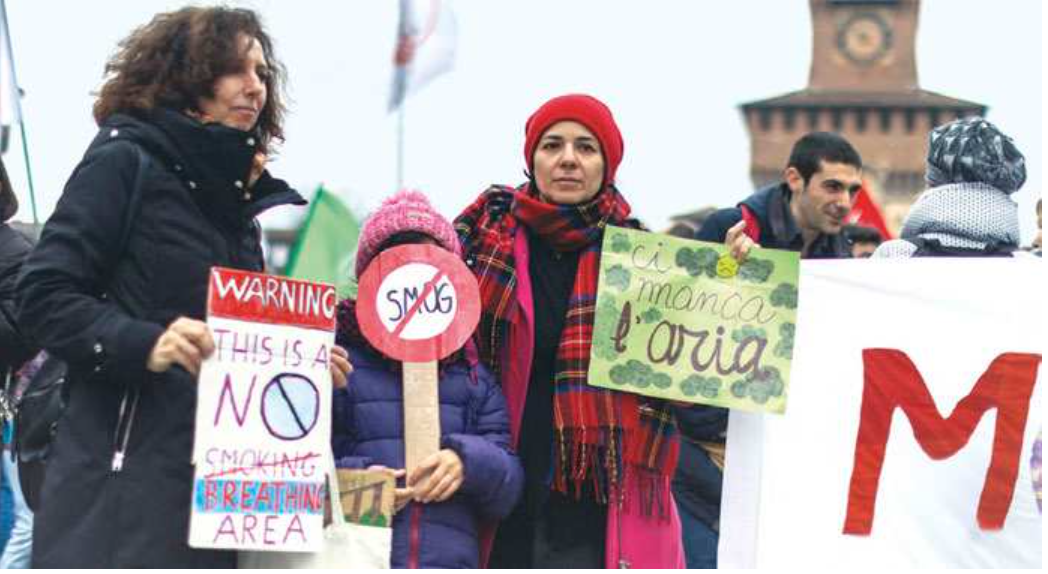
{"x":673,"y":73}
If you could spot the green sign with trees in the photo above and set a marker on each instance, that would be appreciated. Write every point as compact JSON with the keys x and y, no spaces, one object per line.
{"x":683,"y":320}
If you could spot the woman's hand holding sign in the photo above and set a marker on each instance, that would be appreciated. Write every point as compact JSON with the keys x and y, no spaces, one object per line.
{"x":186,"y":342}
{"x":340,"y":367}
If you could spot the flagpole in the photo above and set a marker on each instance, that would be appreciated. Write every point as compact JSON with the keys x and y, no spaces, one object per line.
{"x":29,"y":173}
{"x":17,"y":93}
{"x":400,"y":145}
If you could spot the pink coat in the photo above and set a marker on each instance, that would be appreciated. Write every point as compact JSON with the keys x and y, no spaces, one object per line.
{"x":632,"y":540}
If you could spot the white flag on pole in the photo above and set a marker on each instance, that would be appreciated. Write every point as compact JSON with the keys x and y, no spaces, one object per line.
{"x":10,"y":108}
{"x":426,"y":43}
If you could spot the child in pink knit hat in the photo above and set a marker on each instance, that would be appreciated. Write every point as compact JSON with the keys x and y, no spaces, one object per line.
{"x":407,"y":213}
{"x":474,"y":479}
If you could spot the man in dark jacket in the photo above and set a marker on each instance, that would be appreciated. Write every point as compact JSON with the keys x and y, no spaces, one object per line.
{"x":805,"y":212}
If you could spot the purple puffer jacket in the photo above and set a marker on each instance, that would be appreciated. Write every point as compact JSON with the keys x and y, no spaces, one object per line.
{"x":368,"y":428}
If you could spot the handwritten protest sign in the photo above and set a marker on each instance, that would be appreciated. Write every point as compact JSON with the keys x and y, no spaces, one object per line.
{"x":682,"y":320}
{"x":367,"y":497}
{"x":263,"y":425}
{"x":418,"y":304}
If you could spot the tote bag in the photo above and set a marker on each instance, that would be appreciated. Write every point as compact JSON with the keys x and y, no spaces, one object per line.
{"x":345,"y":544}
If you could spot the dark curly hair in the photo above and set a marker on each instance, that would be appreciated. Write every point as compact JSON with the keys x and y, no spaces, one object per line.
{"x":174,"y":61}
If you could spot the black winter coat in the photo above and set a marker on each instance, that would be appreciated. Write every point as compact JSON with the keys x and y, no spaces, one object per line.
{"x":101,"y":306}
{"x":13,"y":249}
{"x":698,"y":482}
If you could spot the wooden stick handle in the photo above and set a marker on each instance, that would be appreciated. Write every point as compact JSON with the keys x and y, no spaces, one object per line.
{"x":421,"y":413}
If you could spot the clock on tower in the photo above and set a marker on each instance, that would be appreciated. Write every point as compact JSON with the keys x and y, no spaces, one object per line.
{"x":865,"y":44}
{"x":864,"y":38}
{"x":863,"y":85}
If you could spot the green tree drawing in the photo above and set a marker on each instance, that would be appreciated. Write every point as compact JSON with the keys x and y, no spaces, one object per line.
{"x":620,"y":243}
{"x":607,"y":320}
{"x":784,"y":348}
{"x":784,"y":295}
{"x":756,"y":270}
{"x":639,"y":375}
{"x":760,"y":387}
{"x":618,"y":277}
{"x":708,"y":387}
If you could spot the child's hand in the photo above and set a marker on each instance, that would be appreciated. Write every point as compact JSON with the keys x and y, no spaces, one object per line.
{"x":438,"y":477}
{"x":401,"y":496}
{"x":340,"y":367}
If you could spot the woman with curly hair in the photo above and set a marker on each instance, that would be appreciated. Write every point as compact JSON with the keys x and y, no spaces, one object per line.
{"x":117,"y":286}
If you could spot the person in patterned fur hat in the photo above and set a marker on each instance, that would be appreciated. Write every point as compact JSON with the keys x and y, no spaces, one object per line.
{"x":973,"y":170}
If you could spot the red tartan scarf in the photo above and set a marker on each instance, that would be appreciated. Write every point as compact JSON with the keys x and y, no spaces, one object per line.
{"x":598,"y":432}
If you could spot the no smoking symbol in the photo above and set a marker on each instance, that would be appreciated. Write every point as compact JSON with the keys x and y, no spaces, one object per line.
{"x":418,"y":303}
{"x":290,"y":406}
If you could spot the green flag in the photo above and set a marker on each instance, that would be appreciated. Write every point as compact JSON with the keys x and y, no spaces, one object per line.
{"x":327,"y":244}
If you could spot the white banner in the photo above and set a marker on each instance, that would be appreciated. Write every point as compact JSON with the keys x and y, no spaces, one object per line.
{"x":869,"y":469}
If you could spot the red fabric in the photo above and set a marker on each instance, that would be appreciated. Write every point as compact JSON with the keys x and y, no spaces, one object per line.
{"x":866,"y":213}
{"x":520,"y":343}
{"x":597,"y":431}
{"x":892,"y":380}
{"x":588,"y":421}
{"x":586,"y":110}
{"x":753,"y":225}
{"x":642,"y":540}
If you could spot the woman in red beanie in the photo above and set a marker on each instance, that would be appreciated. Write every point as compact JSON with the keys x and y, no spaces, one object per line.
{"x":597,"y":462}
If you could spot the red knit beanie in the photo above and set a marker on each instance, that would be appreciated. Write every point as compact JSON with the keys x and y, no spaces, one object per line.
{"x":404,"y":211}
{"x":586,"y":110}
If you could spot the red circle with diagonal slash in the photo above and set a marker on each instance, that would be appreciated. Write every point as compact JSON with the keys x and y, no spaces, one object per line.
{"x":390,"y":343}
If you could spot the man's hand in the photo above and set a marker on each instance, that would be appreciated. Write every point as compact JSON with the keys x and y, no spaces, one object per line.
{"x":738,"y":243}
{"x":437,"y":477}
{"x":340,"y":367}
{"x":186,"y":342}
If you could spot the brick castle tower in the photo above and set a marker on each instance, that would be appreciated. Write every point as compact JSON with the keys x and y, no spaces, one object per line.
{"x":863,"y":85}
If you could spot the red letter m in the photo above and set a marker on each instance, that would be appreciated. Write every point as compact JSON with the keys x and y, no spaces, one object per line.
{"x":891,"y":381}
